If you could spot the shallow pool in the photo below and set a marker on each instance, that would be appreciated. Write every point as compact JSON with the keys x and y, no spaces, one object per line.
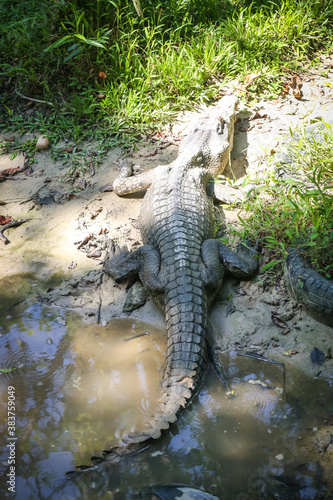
{"x":78,"y":388}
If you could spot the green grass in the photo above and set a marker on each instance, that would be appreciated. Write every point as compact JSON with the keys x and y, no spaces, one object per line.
{"x":297,"y":212}
{"x":177,"y":54}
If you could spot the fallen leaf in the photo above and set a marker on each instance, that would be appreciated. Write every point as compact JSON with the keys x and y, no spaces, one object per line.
{"x":290,"y":352}
{"x":9,"y":139}
{"x":248,"y":79}
{"x":158,"y":135}
{"x":4,"y":220}
{"x":101,"y":74}
{"x":100,"y":96}
{"x":277,"y":320}
{"x":294,"y":87}
{"x":8,"y":172}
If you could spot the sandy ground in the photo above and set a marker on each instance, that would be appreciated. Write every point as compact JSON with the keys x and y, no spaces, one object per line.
{"x":66,"y":273}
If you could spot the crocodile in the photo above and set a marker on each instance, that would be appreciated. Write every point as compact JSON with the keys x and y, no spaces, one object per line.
{"x":181,"y":265}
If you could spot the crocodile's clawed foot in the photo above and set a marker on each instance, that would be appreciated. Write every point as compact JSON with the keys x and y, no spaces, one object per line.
{"x":249,"y":255}
{"x":247,"y":251}
{"x":117,"y":256}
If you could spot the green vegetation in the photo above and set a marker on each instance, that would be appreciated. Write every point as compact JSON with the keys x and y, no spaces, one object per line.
{"x":101,"y":67}
{"x":297,"y":211}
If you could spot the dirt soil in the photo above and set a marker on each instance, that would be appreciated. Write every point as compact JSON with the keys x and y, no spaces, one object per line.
{"x":62,"y":246}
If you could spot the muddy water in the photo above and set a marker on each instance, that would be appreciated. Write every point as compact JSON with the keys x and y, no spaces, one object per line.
{"x":77,"y":388}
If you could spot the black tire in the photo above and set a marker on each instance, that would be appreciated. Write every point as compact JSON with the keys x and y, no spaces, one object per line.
{"x":309,"y":288}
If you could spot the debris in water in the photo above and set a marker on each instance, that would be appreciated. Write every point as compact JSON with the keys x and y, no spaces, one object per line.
{"x":174,"y":491}
{"x":258,"y":382}
{"x":136,"y":336}
{"x":60,"y":320}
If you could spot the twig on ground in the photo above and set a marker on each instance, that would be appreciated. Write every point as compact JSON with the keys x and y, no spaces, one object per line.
{"x":14,"y":223}
{"x":35,"y":100}
{"x":8,"y":173}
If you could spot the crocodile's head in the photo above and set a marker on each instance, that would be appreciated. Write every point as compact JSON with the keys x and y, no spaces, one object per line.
{"x":210,"y":141}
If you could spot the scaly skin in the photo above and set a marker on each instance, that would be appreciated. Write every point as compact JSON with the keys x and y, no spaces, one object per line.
{"x":180,"y":264}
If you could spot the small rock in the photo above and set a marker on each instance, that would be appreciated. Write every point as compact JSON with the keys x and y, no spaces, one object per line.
{"x":137,"y":297}
{"x":42,"y":143}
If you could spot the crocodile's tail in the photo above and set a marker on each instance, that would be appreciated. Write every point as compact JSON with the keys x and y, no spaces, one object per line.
{"x":186,"y":361}
{"x":185,"y":365}
{"x":309,"y":288}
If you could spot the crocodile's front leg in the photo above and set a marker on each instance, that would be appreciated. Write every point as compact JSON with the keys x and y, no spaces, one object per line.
{"x":126,"y":184}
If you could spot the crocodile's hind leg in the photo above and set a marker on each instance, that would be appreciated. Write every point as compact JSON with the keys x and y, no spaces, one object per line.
{"x":126,"y":184}
{"x":143,"y":263}
{"x":217,"y":257}
{"x":242,"y":264}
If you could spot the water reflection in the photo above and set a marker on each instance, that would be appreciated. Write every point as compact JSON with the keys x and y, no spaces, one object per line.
{"x":78,"y":388}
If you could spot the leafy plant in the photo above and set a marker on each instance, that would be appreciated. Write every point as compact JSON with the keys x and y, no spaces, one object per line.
{"x":296,"y":210}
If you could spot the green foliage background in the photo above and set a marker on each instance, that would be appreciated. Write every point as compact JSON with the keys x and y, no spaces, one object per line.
{"x":178,"y":53}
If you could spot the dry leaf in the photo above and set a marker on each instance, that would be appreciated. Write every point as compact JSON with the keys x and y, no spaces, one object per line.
{"x":9,"y":172}
{"x":277,"y":320}
{"x":290,"y":352}
{"x":4,"y":220}
{"x":294,"y":87}
{"x":248,"y":79}
{"x":101,"y":74}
